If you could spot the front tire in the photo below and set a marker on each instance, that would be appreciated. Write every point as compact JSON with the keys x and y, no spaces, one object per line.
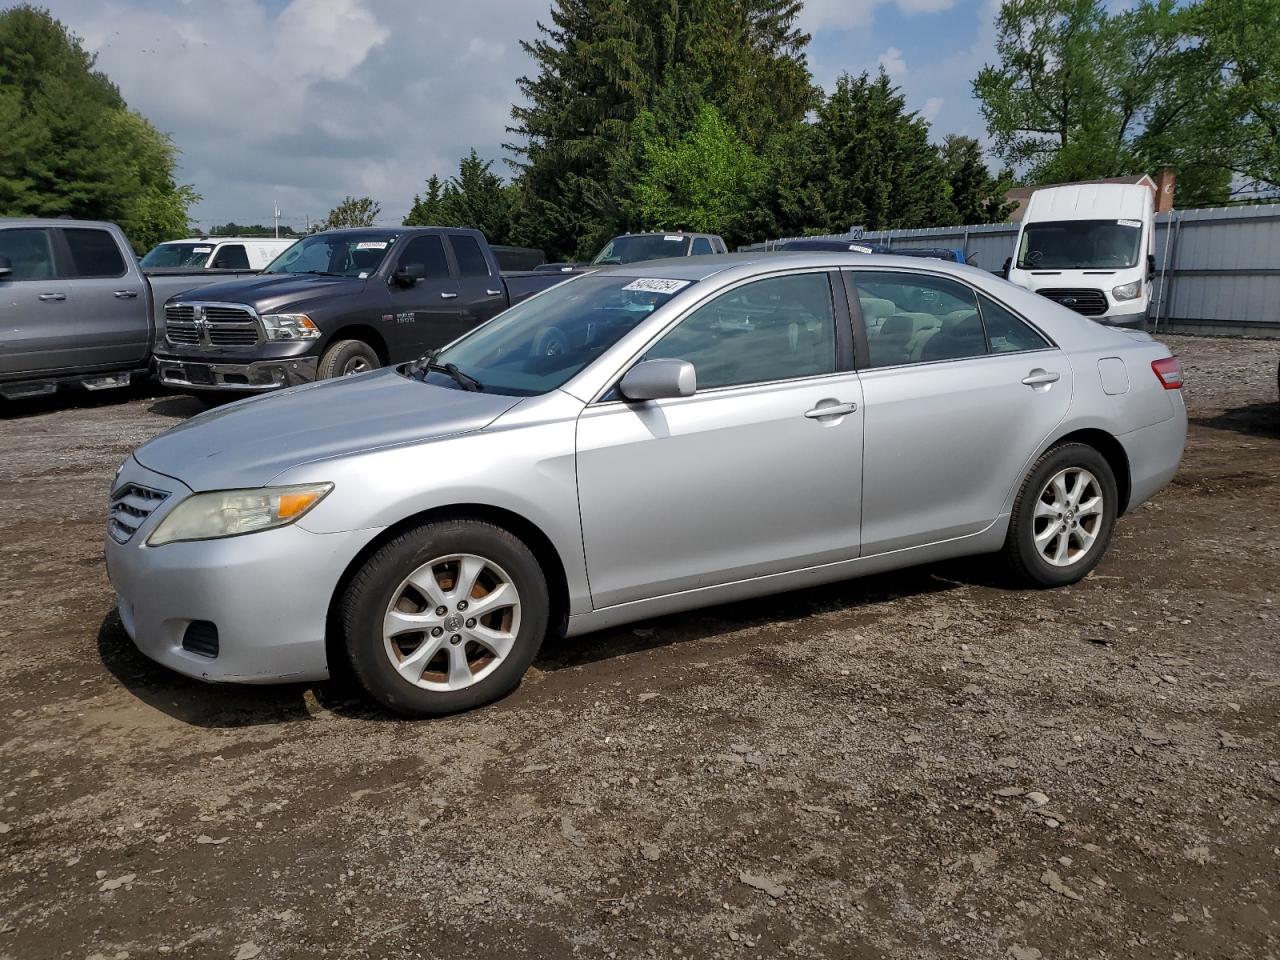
{"x":346,"y":358}
{"x":445,"y":617}
{"x":1063,"y":517}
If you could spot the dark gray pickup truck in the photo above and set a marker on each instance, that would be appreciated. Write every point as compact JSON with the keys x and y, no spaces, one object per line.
{"x":74,"y":307}
{"x":337,"y":303}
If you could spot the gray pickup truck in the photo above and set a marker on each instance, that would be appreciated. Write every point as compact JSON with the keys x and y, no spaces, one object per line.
{"x":76,"y":309}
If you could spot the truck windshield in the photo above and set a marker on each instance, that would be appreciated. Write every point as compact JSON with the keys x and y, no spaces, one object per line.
{"x":633,"y":249}
{"x":538,"y":345}
{"x":178,"y":255}
{"x":347,"y":254}
{"x":1080,"y":245}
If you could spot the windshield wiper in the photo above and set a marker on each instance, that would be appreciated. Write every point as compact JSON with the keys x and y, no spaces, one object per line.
{"x":322,"y":273}
{"x":428,"y":362}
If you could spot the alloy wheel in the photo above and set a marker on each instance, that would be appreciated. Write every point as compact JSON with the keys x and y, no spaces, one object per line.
{"x":1068,"y":516}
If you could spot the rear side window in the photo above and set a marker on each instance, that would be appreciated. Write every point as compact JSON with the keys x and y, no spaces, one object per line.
{"x":93,"y":253}
{"x":27,"y":253}
{"x":471,"y":261}
{"x":701,"y":245}
{"x":1007,"y":332}
{"x":231,"y":257}
{"x":911,"y":318}
{"x":428,"y":252}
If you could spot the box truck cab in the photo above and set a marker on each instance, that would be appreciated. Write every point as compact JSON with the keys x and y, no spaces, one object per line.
{"x":1090,"y":247}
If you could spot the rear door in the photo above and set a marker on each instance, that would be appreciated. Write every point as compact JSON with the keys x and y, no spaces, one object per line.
{"x":109,"y":298}
{"x":482,"y":294}
{"x":427,"y":314}
{"x":958,"y":392}
{"x":37,"y":318}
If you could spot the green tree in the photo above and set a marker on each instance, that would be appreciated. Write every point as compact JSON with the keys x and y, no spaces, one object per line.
{"x":70,"y":145}
{"x":427,"y":211}
{"x":352,"y":212}
{"x":475,"y":198}
{"x":976,"y":195}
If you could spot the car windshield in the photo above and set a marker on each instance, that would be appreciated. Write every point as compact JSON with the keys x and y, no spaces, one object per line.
{"x":633,"y":249}
{"x":538,"y":345}
{"x":178,"y":255}
{"x":1080,"y":245}
{"x":347,"y":254}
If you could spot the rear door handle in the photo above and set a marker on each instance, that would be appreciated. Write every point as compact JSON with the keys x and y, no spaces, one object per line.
{"x":1038,"y":378}
{"x":47,"y":297}
{"x":830,"y":410}
{"x":494,"y":293}
{"x":125,"y":294}
{"x":448,"y":296}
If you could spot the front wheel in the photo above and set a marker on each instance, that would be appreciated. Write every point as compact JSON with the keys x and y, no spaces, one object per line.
{"x":445,"y":617}
{"x":1063,"y":517}
{"x":346,"y":358}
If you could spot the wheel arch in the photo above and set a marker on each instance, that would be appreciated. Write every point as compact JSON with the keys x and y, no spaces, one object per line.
{"x":364,"y":333}
{"x":1112,"y":451}
{"x":531,"y":534}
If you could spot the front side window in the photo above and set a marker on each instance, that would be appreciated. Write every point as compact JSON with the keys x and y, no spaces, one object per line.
{"x":701,"y":245}
{"x":541,"y":343}
{"x":779,"y":328}
{"x":471,"y":261}
{"x":27,"y":253}
{"x":918,"y":319}
{"x":346,"y":254}
{"x":94,"y":253}
{"x":426,"y":251}
{"x":231,"y":256}
{"x":1079,"y":245}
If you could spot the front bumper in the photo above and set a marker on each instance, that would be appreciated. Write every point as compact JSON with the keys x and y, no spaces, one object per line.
{"x":1116,"y":316}
{"x":267,"y":593}
{"x":255,"y":376}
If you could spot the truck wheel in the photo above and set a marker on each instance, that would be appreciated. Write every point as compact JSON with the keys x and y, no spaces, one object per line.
{"x":445,"y":617}
{"x":347,"y":358}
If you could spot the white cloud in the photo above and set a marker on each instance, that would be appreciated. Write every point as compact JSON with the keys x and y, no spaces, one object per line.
{"x":891,"y":62}
{"x":931,"y":107}
{"x":844,"y":14}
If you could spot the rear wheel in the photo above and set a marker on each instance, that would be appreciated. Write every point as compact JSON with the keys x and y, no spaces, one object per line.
{"x":346,"y":358}
{"x":445,"y":617}
{"x":1063,"y":517}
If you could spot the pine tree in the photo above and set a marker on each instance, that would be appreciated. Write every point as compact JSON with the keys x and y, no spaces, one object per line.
{"x":976,"y":195}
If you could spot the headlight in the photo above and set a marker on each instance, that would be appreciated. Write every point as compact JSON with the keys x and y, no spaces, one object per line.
{"x":289,"y":326}
{"x":1127,"y":291}
{"x":229,"y":513}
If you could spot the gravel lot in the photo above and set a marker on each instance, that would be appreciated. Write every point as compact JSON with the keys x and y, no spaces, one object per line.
{"x":927,"y":764}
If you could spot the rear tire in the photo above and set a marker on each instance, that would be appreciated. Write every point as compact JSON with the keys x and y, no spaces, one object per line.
{"x":1062,"y":518}
{"x":421,"y":662}
{"x":347,"y":358}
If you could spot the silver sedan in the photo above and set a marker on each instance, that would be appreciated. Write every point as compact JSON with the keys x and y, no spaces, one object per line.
{"x":635,"y":442}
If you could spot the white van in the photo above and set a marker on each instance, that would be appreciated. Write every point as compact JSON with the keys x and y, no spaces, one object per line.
{"x":1090,"y":247}
{"x":217,"y":253}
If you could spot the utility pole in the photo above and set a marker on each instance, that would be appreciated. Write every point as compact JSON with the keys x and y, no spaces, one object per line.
{"x":276,"y":217}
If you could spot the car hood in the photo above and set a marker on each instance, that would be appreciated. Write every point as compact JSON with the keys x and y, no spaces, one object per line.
{"x":248,"y":443}
{"x":268,"y":291}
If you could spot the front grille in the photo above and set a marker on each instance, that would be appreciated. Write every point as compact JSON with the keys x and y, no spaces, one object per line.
{"x":219,"y":326}
{"x":227,"y":315}
{"x":1091,"y":303}
{"x":233,"y":335}
{"x":130,"y":506}
{"x":180,"y":324}
{"x":201,"y":637}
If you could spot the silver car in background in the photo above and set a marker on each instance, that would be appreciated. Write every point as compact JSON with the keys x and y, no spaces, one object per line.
{"x":633,"y":442}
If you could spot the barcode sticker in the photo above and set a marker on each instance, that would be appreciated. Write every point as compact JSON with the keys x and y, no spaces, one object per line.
{"x":1129,"y":223}
{"x":202,"y":249}
{"x":654,"y":285}
{"x":371,"y":245}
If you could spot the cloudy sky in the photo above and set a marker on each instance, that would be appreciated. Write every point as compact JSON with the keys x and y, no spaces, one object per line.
{"x":300,"y":102}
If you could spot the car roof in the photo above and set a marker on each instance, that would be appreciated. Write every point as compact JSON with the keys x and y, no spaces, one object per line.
{"x":231,"y":240}
{"x":52,"y":222}
{"x":709,"y":265}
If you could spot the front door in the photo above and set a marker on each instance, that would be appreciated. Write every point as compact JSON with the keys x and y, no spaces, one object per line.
{"x":37,"y":316}
{"x":745,"y":478}
{"x":959,"y":391}
{"x":429,"y":313}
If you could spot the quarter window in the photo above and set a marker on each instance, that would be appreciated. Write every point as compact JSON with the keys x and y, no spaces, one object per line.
{"x":27,"y":253}
{"x":780,"y":328}
{"x":428,"y":252}
{"x":93,"y":253}
{"x":1007,"y":332}
{"x":471,"y":262}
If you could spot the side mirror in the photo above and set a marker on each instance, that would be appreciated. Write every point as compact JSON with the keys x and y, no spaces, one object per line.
{"x":1151,"y":266}
{"x":659,"y":379}
{"x":408,"y":274}
{"x":1004,"y":271}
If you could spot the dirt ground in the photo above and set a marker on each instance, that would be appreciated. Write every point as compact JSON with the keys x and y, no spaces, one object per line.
{"x":926,"y":764}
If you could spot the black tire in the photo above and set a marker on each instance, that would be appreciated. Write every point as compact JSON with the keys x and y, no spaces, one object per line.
{"x":1021,"y":554}
{"x":369,"y":595}
{"x":346,"y":357}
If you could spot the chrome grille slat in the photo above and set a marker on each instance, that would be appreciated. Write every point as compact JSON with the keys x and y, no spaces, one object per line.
{"x":130,"y":507}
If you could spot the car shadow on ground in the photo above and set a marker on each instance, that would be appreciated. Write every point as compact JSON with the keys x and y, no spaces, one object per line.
{"x":69,"y":398}
{"x":1254,"y":419}
{"x":178,"y":406}
{"x":236,"y":705}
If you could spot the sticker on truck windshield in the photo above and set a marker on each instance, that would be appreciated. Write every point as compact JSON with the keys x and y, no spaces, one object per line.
{"x":654,"y":285}
{"x":371,"y":245}
{"x":1129,"y":223}
{"x":677,"y":237}
{"x":202,"y":249}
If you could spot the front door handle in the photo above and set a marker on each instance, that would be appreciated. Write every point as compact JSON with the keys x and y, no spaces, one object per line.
{"x":48,"y":297}
{"x":494,"y":293}
{"x":125,"y":294}
{"x":448,"y":296}
{"x":830,"y":410}
{"x":1041,"y":378}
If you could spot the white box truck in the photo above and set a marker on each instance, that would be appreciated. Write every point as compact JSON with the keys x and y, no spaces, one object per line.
{"x":1090,"y":247}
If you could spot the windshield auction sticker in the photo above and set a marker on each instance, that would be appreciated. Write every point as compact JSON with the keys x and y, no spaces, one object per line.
{"x":371,"y":245}
{"x":1129,"y":223}
{"x":654,"y":285}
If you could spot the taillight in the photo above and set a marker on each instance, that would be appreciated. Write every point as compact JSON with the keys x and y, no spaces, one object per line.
{"x":1169,"y":372}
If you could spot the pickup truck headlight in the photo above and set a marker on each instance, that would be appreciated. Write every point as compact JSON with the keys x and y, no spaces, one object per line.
{"x":289,"y":326}
{"x":230,"y":513}
{"x":1127,"y":291}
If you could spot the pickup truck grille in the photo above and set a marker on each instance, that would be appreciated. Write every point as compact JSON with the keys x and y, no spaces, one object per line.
{"x":210,"y":324}
{"x":1091,"y":303}
{"x":130,"y":506}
